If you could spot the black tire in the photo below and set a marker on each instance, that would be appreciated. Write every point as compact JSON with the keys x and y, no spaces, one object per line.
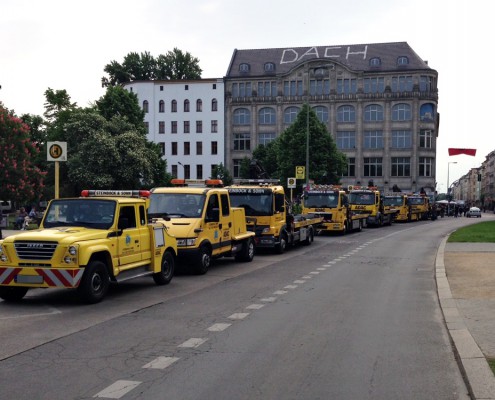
{"x":280,"y":248}
{"x":204,"y":260}
{"x":247,"y":252}
{"x":310,"y":237}
{"x":94,"y":283}
{"x":360,"y":225}
{"x":167,"y":269}
{"x":12,"y":293}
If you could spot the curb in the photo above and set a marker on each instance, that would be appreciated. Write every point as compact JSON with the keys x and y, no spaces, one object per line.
{"x":480,"y":379}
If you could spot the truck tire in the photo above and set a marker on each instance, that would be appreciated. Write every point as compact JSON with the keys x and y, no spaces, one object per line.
{"x":247,"y":252}
{"x":12,"y":293}
{"x":94,"y":283}
{"x":345,"y":229}
{"x":310,"y":237}
{"x":280,"y":248}
{"x":204,"y":260}
{"x":167,"y":269}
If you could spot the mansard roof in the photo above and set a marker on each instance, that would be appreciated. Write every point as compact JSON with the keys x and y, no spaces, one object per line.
{"x":355,"y":57}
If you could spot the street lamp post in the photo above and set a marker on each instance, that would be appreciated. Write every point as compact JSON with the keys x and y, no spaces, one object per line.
{"x":448,"y":185}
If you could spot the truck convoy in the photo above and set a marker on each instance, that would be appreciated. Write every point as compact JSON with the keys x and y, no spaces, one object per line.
{"x":409,"y":207}
{"x":368,"y":201}
{"x":269,"y":217}
{"x":207,"y":226}
{"x":85,"y":243}
{"x":332,"y":204}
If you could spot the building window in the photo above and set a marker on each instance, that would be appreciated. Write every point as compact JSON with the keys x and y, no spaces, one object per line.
{"x":187,"y":171}
{"x":174,"y":148}
{"x":173,"y":126}
{"x":318,"y":87}
{"x":426,"y":139}
{"x":161,"y":106}
{"x":267,"y":116}
{"x":214,"y":148}
{"x":199,"y":126}
{"x":242,"y":116}
{"x":199,"y":105}
{"x":269,"y":67}
{"x":401,"y":112}
{"x":374,"y":85}
{"x":161,"y":88}
{"x":372,"y":166}
{"x":346,"y":114}
{"x":214,"y":105}
{"x":147,"y":127}
{"x":426,"y":112}
{"x":401,"y":166}
{"x":173,"y":106}
{"x":402,"y":84}
{"x":265,"y":137}
{"x":244,"y":67}
{"x":425,"y":166}
{"x":214,"y":86}
{"x":237,"y":168}
{"x":290,"y":114}
{"x":346,"y":86}
{"x":402,"y":60}
{"x":186,"y":105}
{"x":174,"y":170}
{"x":373,"y":113}
{"x":267,"y":89}
{"x":199,"y":148}
{"x":161,"y":127}
{"x":401,"y":140}
{"x":425,"y":84}
{"x":242,"y":141}
{"x":375,"y":62}
{"x":373,"y":140}
{"x":162,"y":148}
{"x":146,"y":106}
{"x":293,"y":88}
{"x":187,"y":148}
{"x":213,"y":170}
{"x":199,"y":172}
{"x":187,"y":127}
{"x":351,"y":167}
{"x":214,"y":126}
{"x":321,"y":113}
{"x":346,"y":140}
{"x":242,"y":89}
{"x":186,"y":87}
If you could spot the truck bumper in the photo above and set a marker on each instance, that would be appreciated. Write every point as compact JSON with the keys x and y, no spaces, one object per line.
{"x":266,"y":241}
{"x":41,"y":277}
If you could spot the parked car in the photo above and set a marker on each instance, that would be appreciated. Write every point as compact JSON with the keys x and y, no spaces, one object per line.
{"x":474,"y":212}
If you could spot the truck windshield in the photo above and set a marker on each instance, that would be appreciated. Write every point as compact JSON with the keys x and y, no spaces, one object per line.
{"x":321,"y":200}
{"x":362,"y":198}
{"x":256,"y":202}
{"x":176,"y":205}
{"x":415,"y":200}
{"x":393,"y":201}
{"x":88,"y":213}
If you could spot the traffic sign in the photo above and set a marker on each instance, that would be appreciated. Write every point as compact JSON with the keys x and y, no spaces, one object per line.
{"x":300,"y":172}
{"x":291,"y":183}
{"x":56,"y":151}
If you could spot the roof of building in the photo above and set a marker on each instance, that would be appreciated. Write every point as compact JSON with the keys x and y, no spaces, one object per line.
{"x":356,"y":57}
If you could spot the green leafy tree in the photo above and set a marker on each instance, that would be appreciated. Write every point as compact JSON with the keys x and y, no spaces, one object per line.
{"x":21,"y":180}
{"x":120,"y":102}
{"x":220,"y":172}
{"x":267,"y":157}
{"x":178,"y":65}
{"x":56,"y":102}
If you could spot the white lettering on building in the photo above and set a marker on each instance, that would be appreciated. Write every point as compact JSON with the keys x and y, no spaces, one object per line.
{"x":291,"y":55}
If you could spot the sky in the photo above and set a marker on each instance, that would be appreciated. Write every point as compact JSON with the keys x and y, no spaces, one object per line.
{"x":65,"y":45}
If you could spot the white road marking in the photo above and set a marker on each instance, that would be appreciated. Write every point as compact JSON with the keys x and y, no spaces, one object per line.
{"x":52,"y":312}
{"x":278,"y":292}
{"x":193,"y":342}
{"x":161,"y":362}
{"x":290,"y":287}
{"x":218,"y":327}
{"x":239,"y":315}
{"x":255,"y":306}
{"x":314,"y":272}
{"x":307,"y":277}
{"x":321,"y":269}
{"x":269,"y":299}
{"x":118,"y":389}
{"x":299,"y":281}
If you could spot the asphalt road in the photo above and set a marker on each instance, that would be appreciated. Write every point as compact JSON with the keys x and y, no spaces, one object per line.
{"x":352,"y":317}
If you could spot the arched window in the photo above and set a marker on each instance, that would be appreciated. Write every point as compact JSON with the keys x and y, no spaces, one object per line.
{"x":161,"y":106}
{"x":402,"y":60}
{"x":290,"y":114}
{"x":375,"y":62}
{"x":186,"y":105}
{"x":242,"y":116}
{"x":321,"y":113}
{"x":373,"y":113}
{"x":244,"y":67}
{"x":199,"y":105}
{"x":346,"y":114}
{"x":401,"y":112}
{"x":173,"y":106}
{"x":427,"y":112}
{"x":267,"y":116}
{"x":269,"y":67}
{"x":214,"y":105}
{"x":146,"y":106}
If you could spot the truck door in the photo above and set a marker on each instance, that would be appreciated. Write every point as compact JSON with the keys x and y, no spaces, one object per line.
{"x":129,"y":241}
{"x":212,"y":222}
{"x":226,"y":223}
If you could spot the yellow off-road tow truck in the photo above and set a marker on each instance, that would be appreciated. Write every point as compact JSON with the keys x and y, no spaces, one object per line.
{"x":268,"y":214}
{"x":199,"y":214}
{"x":85,"y":243}
{"x":332,"y":204}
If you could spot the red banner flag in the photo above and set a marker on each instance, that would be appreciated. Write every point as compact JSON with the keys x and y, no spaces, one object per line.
{"x":456,"y":152}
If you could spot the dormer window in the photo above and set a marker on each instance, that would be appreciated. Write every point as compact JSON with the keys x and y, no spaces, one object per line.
{"x":244,"y":67}
{"x":269,"y":67}
{"x":375,"y":62}
{"x":402,"y":60}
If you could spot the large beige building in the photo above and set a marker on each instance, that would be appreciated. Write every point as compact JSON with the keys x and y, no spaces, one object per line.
{"x":378,"y":101}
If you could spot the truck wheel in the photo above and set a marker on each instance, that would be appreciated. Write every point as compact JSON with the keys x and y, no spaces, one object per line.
{"x":310,"y":237}
{"x":12,"y":293}
{"x":247,"y":252}
{"x":360,"y":228}
{"x":345,"y":229}
{"x":204,"y":260}
{"x":280,"y":248}
{"x":95,"y":282}
{"x":167,"y":270}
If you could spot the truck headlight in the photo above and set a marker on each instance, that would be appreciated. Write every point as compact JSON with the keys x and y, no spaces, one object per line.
{"x":72,"y":250}
{"x":1,"y":249}
{"x":186,"y":242}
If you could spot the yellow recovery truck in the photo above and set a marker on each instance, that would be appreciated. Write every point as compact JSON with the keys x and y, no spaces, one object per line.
{"x":199,"y":214}
{"x":368,"y":201}
{"x":85,"y":243}
{"x":268,"y":215}
{"x":332,"y":204}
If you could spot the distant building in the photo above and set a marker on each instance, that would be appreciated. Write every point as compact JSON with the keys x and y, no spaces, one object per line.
{"x":186,"y":119}
{"x":379,"y":102}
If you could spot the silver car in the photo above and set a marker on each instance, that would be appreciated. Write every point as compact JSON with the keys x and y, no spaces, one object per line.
{"x":474,"y":212}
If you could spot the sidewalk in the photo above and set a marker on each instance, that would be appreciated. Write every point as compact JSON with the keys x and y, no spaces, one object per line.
{"x":465,"y":274}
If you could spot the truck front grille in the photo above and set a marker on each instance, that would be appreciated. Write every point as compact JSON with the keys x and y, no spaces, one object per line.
{"x":30,"y":250}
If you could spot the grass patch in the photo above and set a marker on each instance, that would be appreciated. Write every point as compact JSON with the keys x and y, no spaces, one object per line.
{"x":483,"y":232}
{"x":491,"y":363}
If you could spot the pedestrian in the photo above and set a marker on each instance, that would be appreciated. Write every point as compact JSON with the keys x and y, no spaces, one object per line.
{"x":19,"y":222}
